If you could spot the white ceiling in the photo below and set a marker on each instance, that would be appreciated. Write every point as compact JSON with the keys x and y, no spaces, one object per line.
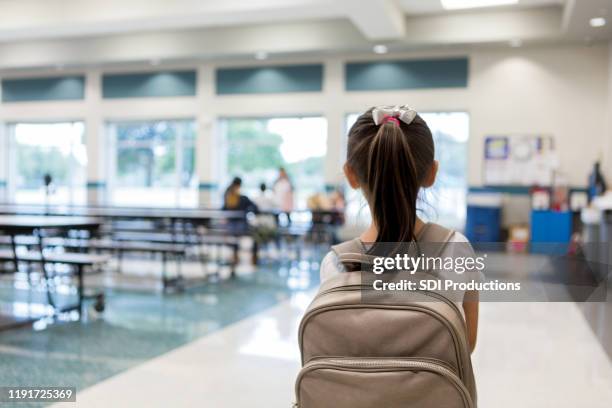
{"x":434,"y":6}
{"x":36,"y":19}
{"x":51,"y":32}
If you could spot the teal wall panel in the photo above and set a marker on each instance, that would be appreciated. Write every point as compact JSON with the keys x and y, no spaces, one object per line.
{"x":270,"y":79}
{"x":96,"y":184}
{"x":43,"y":89}
{"x":208,"y":186}
{"x":149,"y":85}
{"x":406,"y":74}
{"x":518,"y":190}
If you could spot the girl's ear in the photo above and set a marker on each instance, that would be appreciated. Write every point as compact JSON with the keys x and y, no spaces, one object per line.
{"x":430,"y":177}
{"x":350,"y":176}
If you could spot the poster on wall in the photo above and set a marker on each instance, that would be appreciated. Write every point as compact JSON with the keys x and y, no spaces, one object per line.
{"x":519,"y":160}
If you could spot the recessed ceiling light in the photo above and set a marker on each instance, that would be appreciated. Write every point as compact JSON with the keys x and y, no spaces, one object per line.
{"x":515,"y":43}
{"x":380,"y":49}
{"x":466,"y":4}
{"x":597,"y":22}
{"x":261,"y":55}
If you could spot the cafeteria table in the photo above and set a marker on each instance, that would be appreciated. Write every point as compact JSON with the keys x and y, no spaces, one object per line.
{"x":36,"y":225}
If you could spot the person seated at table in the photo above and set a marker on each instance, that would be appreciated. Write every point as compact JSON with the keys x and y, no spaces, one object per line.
{"x":265,"y":200}
{"x":264,"y":226}
{"x":234,"y":200}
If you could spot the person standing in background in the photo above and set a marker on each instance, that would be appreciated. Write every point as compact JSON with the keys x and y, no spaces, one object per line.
{"x":597,"y":182}
{"x":283,"y":192}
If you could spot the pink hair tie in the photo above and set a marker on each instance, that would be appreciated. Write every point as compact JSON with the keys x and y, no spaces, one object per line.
{"x":389,"y":118}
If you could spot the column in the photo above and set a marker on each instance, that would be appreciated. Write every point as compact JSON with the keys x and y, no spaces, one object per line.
{"x":333,"y":91}
{"x":97,"y":150}
{"x":206,"y":150}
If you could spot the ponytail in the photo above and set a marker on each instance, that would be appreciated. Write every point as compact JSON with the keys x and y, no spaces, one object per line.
{"x":391,"y":161}
{"x":393,"y":184}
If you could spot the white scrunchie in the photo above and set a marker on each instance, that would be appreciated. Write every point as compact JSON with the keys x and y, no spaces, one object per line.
{"x":403,"y":113}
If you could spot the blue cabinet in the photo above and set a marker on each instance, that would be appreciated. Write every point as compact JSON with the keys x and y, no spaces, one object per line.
{"x":483,"y":224}
{"x":551,"y":226}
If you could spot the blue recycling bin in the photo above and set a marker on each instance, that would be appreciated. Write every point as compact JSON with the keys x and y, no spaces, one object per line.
{"x":483,"y":223}
{"x":551,"y":226}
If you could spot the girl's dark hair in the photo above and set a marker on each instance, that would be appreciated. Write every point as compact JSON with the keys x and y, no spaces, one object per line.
{"x":391,"y":162}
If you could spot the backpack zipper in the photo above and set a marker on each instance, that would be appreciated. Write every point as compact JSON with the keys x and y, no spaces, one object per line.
{"x":384,"y":364}
{"x":367,"y":360}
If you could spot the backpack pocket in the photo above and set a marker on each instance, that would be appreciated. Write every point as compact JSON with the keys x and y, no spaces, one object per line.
{"x":339,"y":382}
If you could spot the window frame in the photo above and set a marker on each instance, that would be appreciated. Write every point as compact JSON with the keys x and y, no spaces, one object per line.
{"x":10,"y":145}
{"x":110,"y":135}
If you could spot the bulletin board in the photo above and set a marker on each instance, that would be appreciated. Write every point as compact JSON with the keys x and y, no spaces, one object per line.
{"x":519,"y":160}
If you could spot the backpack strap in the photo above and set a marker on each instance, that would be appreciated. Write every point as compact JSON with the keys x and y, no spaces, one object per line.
{"x":352,"y":254}
{"x":435,"y":233}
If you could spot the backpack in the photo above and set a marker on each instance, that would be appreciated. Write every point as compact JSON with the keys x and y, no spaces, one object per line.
{"x":368,"y":355}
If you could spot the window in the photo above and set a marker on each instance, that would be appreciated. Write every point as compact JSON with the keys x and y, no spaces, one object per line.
{"x":445,"y":203}
{"x":153,"y":163}
{"x":47,"y":149}
{"x":254,"y":149}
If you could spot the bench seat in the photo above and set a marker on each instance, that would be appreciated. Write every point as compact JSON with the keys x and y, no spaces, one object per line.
{"x":79,"y":261}
{"x":68,"y":258}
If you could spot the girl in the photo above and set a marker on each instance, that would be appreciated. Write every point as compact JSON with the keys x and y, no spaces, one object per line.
{"x":390,"y":156}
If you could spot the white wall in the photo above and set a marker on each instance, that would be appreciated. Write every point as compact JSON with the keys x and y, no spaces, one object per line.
{"x":562,"y":91}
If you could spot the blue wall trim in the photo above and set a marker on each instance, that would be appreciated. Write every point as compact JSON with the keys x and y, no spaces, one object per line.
{"x":270,"y":79}
{"x":208,"y":186}
{"x":149,"y":85}
{"x":520,"y":190}
{"x":406,"y":74}
{"x":329,"y":188}
{"x":43,"y":89}
{"x":96,"y":184}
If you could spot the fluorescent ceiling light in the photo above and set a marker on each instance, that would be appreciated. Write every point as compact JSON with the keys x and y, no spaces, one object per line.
{"x":380,"y":49}
{"x":466,"y":4}
{"x":597,"y":22}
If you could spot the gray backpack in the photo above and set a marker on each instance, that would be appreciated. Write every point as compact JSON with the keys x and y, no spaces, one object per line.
{"x":357,"y":354}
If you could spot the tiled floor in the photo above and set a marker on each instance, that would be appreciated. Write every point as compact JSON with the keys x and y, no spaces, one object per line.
{"x":234,"y":344}
{"x":137,"y":326}
{"x":251,"y":363}
{"x":530,"y":355}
